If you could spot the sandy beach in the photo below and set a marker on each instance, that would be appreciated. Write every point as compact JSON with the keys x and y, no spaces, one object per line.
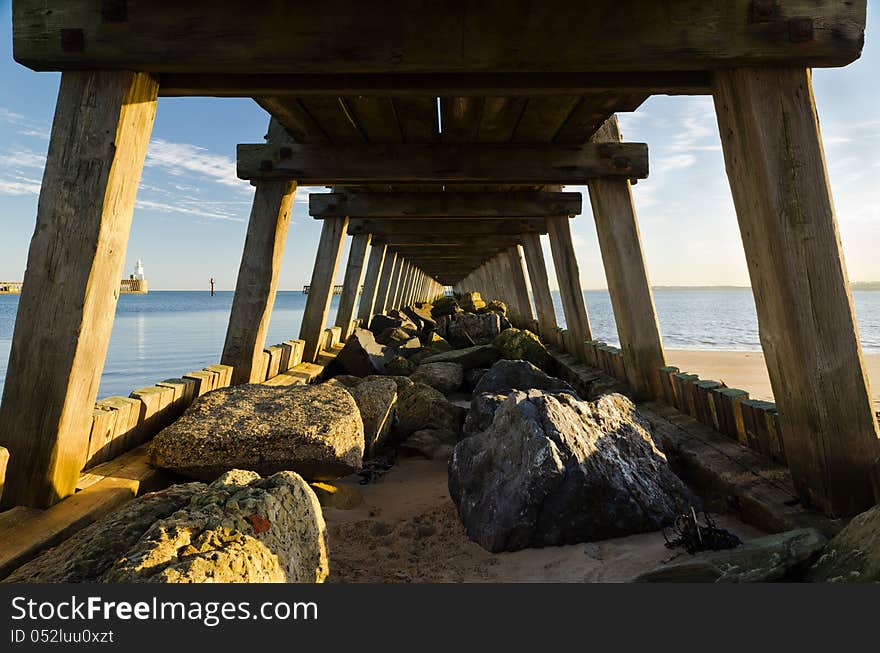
{"x":746,"y":370}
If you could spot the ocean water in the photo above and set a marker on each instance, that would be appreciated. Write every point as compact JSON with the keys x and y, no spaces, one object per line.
{"x":165,"y":334}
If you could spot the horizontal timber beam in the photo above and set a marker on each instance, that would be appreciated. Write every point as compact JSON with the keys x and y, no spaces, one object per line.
{"x":398,"y":36}
{"x":490,"y":163}
{"x":675,"y":82}
{"x":430,"y":240}
{"x":518,"y":204}
{"x":447,"y":227}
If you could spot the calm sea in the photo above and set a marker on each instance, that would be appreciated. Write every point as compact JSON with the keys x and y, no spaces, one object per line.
{"x":166,"y":334}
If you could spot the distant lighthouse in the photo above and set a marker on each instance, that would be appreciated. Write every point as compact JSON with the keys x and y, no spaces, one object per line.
{"x":136,"y":284}
{"x":139,"y":271}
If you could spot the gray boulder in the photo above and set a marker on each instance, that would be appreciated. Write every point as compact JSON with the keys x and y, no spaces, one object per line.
{"x":422,"y":407}
{"x":381,"y":322}
{"x":469,"y":329}
{"x":430,"y":443}
{"x":468,"y":358}
{"x":516,"y":344}
{"x":361,"y":355}
{"x":482,"y":411}
{"x":507,"y":375}
{"x":553,"y":470}
{"x":853,"y":555}
{"x":376,"y":398}
{"x":445,"y":377}
{"x":399,"y":366}
{"x":774,"y":558}
{"x":444,"y":306}
{"x":393,"y":336}
{"x":472,"y":378}
{"x":240,"y":529}
{"x":314,"y":430}
{"x":471,"y":301}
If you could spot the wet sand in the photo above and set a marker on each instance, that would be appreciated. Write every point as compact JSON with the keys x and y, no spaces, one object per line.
{"x":407,"y":530}
{"x":747,"y":371}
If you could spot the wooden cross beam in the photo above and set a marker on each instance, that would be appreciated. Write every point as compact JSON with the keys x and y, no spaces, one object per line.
{"x":431,"y":240}
{"x":489,"y":163}
{"x":448,"y":227}
{"x":398,"y":36}
{"x":519,"y":204}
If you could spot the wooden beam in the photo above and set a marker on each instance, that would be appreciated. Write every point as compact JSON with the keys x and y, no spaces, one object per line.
{"x":440,"y":163}
{"x":321,"y":287}
{"x":385,"y":281}
{"x":687,"y":82}
{"x":258,"y":276}
{"x":519,"y":286}
{"x":351,"y":283}
{"x":430,"y":240}
{"x":570,"y":291}
{"x":626,"y":273}
{"x":375,"y":266}
{"x":778,"y":177}
{"x":518,"y":204}
{"x":393,"y":36}
{"x":65,"y":314}
{"x":534,"y":256}
{"x":446,"y":227}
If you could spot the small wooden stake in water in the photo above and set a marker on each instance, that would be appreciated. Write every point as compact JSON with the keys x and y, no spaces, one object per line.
{"x":212,"y":286}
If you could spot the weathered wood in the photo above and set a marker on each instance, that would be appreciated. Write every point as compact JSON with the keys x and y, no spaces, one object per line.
{"x":439,"y":228}
{"x":517,"y":204}
{"x":776,"y":167}
{"x":441,"y":163}
{"x":453,"y":240}
{"x":626,"y":273}
{"x":321,"y":287}
{"x":400,"y":281}
{"x":258,"y":279}
{"x":375,"y":266}
{"x":385,"y":281}
{"x":534,"y":255}
{"x":568,"y":278}
{"x":519,"y":287}
{"x":437,"y":37}
{"x":351,"y":282}
{"x":99,"y":139}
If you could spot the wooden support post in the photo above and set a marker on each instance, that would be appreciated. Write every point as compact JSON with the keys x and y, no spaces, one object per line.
{"x":625,"y":270}
{"x":386,"y":281}
{"x":258,"y":275}
{"x":776,"y":167}
{"x":351,"y":283}
{"x":394,"y":295}
{"x":321,"y":287}
{"x":520,"y":287}
{"x":375,"y":266}
{"x":568,"y":277}
{"x":540,"y":286}
{"x":65,"y":314}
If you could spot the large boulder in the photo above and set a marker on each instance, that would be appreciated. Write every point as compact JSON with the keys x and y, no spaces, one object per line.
{"x":471,"y":302}
{"x":421,"y":317}
{"x":444,"y":306}
{"x":314,"y":430}
{"x":240,"y":529}
{"x":469,"y":329}
{"x":376,"y":398}
{"x":516,"y":344}
{"x":468,"y":358}
{"x":399,"y":366}
{"x":393,"y":336}
{"x":853,"y":555}
{"x":381,"y":322}
{"x":774,"y":558}
{"x":422,"y":407}
{"x":445,"y":377}
{"x":430,"y":443}
{"x":553,"y":470}
{"x":482,"y":411}
{"x":497,"y":306}
{"x":362,"y":355}
{"x":507,"y":375}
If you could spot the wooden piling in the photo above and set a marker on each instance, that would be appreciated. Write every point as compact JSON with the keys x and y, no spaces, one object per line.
{"x":568,"y":277}
{"x":351,"y":284}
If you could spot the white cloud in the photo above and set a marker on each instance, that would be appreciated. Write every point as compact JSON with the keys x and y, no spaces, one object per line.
{"x":196,"y":208}
{"x":22,"y":159}
{"x":19,"y":186}
{"x":180,"y":159}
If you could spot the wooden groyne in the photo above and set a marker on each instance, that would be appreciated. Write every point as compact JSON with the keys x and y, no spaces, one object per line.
{"x":446,"y":170}
{"x":10,"y":287}
{"x":337,"y":289}
{"x":126,"y":287}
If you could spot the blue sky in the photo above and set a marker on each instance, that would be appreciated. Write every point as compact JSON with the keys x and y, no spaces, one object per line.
{"x":191,"y":214}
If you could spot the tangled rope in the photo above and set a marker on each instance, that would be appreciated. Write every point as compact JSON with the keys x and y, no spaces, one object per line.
{"x":694,"y":537}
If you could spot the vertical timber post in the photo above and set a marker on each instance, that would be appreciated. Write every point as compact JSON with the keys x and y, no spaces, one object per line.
{"x":540,"y":286}
{"x":258,"y":274}
{"x":375,"y":266}
{"x":351,"y":284}
{"x":568,"y":277}
{"x":386,"y":281}
{"x":625,"y":270}
{"x":321,"y":287}
{"x":776,"y":168}
{"x":520,"y":287}
{"x":100,"y":134}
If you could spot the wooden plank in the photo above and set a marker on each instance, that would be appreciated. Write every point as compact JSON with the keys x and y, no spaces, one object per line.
{"x":351,"y":283}
{"x":449,"y":226}
{"x":321,"y":287}
{"x":385,"y":282}
{"x":779,"y":181}
{"x":626,"y":272}
{"x":490,"y":163}
{"x":568,"y":277}
{"x":522,"y":204}
{"x":290,"y":113}
{"x":99,"y":140}
{"x":4,"y":463}
{"x":543,"y":117}
{"x":257,"y":280}
{"x":519,"y":286}
{"x":203,"y":381}
{"x":415,"y":242}
{"x":225,"y":372}
{"x":502,"y":93}
{"x":434,"y":37}
{"x":275,"y":353}
{"x":101,"y":436}
{"x":375,"y":266}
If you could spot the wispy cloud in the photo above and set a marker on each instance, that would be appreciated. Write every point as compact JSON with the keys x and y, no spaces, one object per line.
{"x":181,"y":159}
{"x":196,"y":208}
{"x":18,"y":185}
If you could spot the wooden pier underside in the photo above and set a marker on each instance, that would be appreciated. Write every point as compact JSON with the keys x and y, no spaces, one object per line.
{"x":406,"y":111}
